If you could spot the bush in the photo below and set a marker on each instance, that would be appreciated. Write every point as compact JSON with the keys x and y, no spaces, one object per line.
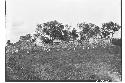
{"x":116,"y":41}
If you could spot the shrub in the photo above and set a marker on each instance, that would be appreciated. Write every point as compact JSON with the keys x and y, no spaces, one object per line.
{"x":117,"y":42}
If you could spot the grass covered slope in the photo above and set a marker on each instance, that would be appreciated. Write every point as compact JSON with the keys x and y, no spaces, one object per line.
{"x":69,"y":63}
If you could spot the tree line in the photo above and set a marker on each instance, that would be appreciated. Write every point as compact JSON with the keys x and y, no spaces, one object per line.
{"x":54,"y":30}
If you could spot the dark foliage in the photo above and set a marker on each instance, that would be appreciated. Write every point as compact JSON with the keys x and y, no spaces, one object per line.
{"x":117,"y":42}
{"x":88,"y":30}
{"x":105,"y":34}
{"x":47,"y":40}
{"x":9,"y":43}
{"x":74,"y":34}
{"x":109,"y":28}
{"x":65,"y":36}
{"x":52,"y":29}
{"x":26,"y":37}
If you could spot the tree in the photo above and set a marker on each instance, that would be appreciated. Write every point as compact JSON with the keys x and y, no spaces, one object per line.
{"x":46,"y":40}
{"x":88,"y":30}
{"x":66,"y":33}
{"x":109,"y":28}
{"x":74,"y":34}
{"x":53,"y":29}
{"x":56,"y":31}
{"x":105,"y":34}
{"x":65,"y":36}
{"x":93,"y":31}
{"x":26,"y":37}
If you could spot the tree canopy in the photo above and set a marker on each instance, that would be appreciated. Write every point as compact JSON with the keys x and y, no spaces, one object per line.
{"x":52,"y":29}
{"x":88,"y":30}
{"x":109,"y":28}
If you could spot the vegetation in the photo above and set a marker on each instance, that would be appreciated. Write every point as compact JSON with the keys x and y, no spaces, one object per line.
{"x":109,"y":28}
{"x":88,"y":30}
{"x":75,"y":57}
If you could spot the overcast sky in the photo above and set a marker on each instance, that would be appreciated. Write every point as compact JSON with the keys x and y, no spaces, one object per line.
{"x":24,"y":15}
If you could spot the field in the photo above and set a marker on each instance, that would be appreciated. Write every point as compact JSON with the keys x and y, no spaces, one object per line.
{"x":68,"y":63}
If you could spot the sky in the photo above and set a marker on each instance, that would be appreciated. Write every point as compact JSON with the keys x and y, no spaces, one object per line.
{"x":23,"y":15}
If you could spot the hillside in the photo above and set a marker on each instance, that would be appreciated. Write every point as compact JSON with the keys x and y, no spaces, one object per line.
{"x":26,"y":61}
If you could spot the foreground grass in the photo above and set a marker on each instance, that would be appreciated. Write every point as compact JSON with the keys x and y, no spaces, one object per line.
{"x":97,"y":63}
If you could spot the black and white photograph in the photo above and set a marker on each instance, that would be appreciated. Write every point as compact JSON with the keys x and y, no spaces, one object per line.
{"x":63,"y":41}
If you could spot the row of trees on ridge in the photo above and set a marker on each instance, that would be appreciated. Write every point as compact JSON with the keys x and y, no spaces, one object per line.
{"x":54,"y":30}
